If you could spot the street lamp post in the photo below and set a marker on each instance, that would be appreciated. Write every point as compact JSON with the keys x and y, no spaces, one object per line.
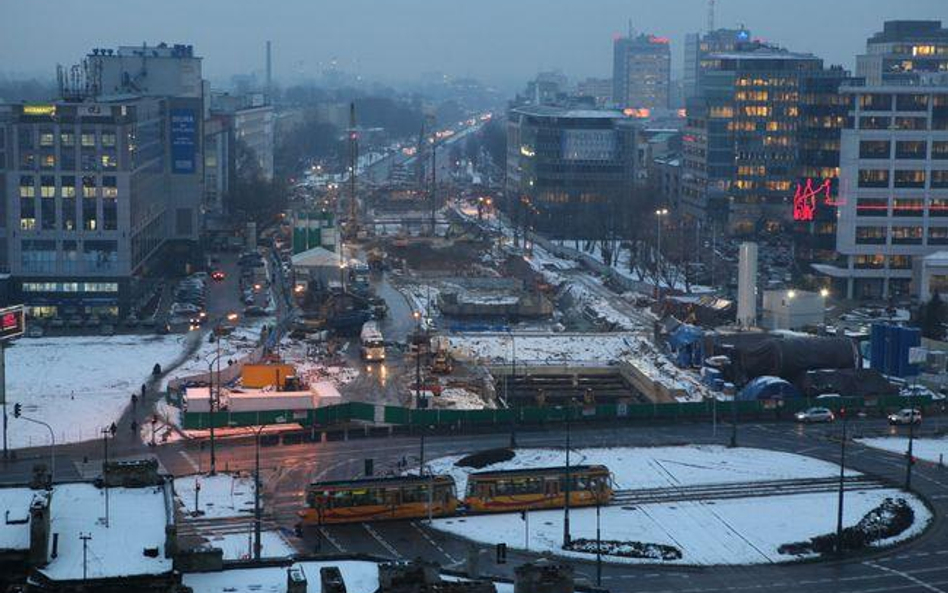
{"x":659,"y":214}
{"x":52,"y":447}
{"x":909,"y":457}
{"x":257,"y":546}
{"x":513,"y":371}
{"x":842,"y":473}
{"x":216,"y":395}
{"x":566,"y":536}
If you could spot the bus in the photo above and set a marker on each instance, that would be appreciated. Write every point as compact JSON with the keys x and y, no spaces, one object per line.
{"x":373,"y":345}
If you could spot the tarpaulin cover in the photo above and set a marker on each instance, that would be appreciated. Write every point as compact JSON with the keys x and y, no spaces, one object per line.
{"x":848,"y":383}
{"x":789,"y":357}
{"x":768,"y":388}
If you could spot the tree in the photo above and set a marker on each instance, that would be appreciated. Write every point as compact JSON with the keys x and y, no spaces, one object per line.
{"x":932,"y":318}
{"x":256,"y":197}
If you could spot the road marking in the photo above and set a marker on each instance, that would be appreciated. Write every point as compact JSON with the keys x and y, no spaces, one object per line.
{"x":382,"y":541}
{"x":425,"y":535}
{"x":190,"y":460}
{"x":905,"y":576}
{"x":325,"y":533}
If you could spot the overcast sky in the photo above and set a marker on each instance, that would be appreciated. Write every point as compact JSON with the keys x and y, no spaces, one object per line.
{"x":498,"y":41}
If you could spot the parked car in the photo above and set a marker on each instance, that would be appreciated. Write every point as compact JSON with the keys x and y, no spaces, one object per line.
{"x":906,"y":416}
{"x":184,"y":309}
{"x":218,"y":275}
{"x":815,"y":415}
{"x":255,"y":311}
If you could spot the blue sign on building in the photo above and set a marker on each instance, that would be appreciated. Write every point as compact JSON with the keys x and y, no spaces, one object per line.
{"x":183,"y":140}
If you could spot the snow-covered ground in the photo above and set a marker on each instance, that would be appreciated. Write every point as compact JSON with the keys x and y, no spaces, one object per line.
{"x":223,"y":495}
{"x":359,"y":577}
{"x":739,"y":531}
{"x":929,"y":449}
{"x":240,"y":343}
{"x":239,"y":546}
{"x":458,"y":398}
{"x":79,"y":385}
{"x":659,"y":467}
{"x":545,"y":348}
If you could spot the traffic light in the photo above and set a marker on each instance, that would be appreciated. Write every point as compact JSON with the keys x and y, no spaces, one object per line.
{"x":17,"y":410}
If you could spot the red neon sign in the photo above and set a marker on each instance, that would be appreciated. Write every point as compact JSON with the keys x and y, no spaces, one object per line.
{"x":806,"y":196}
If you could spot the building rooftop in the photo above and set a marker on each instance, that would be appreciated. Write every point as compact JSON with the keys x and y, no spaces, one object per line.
{"x":566,"y":112}
{"x":763,"y":53}
{"x":910,"y":31}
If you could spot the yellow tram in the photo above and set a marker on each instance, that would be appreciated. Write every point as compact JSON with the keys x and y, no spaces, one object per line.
{"x":540,"y":488}
{"x":379,"y":499}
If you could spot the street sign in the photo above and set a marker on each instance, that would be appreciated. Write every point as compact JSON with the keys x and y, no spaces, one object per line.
{"x":12,"y":322}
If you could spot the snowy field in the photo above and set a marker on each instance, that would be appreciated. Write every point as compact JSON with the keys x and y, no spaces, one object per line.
{"x":223,"y":495}
{"x":239,"y":546}
{"x":923,"y":448}
{"x":239,"y":344}
{"x":79,"y":384}
{"x":551,"y":348}
{"x":739,"y":531}
{"x":659,"y":467}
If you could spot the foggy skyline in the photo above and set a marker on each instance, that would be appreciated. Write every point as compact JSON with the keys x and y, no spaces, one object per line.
{"x":498,"y":42}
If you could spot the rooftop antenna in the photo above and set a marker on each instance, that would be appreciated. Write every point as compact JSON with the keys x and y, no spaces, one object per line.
{"x":710,"y":16}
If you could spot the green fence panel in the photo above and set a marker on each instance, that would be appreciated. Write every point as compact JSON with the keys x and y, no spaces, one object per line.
{"x":362,"y":411}
{"x":396,"y":415}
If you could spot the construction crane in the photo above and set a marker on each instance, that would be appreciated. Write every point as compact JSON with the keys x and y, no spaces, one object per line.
{"x":710,"y":16}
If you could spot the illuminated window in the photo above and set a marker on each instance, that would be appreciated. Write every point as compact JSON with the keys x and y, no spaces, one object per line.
{"x":68,"y":187}
{"x":939,"y":150}
{"x":911,"y":102}
{"x":67,"y":139}
{"x":875,"y":102}
{"x":27,"y":214}
{"x":108,"y":161}
{"x":938,"y":235}
{"x":88,"y":187}
{"x":910,"y":123}
{"x":48,"y":161}
{"x":908,"y":207}
{"x":109,"y":187}
{"x":47,"y":138}
{"x":939,"y":178}
{"x":88,"y":140}
{"x":48,"y":187}
{"x":108,"y":139}
{"x":911,"y":149}
{"x":907,"y":235}
{"x":872,"y":207}
{"x":27,"y":190}
{"x":938,"y":207}
{"x":874,"y":122}
{"x":910,"y":178}
{"x":870,"y":235}
{"x":873,"y":178}
{"x":869,"y":261}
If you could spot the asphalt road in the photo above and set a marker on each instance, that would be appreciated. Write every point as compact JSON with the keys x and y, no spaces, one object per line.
{"x":920,"y":565}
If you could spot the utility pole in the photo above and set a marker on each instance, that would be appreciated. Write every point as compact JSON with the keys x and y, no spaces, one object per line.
{"x":85,"y":537}
{"x":909,"y":457}
{"x":106,"y":432}
{"x":434,"y":183}
{"x":842,"y":473}
{"x":52,"y":446}
{"x":598,"y":541}
{"x":566,"y":538}
{"x":513,"y":371}
{"x":353,"y":163}
{"x":257,"y":546}
{"x":210,"y":371}
{"x":3,"y":396}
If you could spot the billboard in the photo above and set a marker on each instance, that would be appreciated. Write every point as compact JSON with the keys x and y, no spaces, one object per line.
{"x":183,"y":141}
{"x":12,"y":322}
{"x":588,"y":145}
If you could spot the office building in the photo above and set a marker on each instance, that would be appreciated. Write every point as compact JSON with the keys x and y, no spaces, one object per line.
{"x":641,"y":72}
{"x":698,"y":47}
{"x":600,"y":89}
{"x":893,"y":201}
{"x":254,"y":125}
{"x":904,"y":51}
{"x":746,"y":131}
{"x":570,"y":172}
{"x":87,"y":200}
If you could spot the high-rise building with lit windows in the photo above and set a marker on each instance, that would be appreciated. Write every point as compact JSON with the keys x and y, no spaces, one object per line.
{"x":904,"y":51}
{"x":641,"y":72}
{"x":699,"y":46}
{"x":893,"y":197}
{"x":87,"y":206}
{"x":759,"y":115}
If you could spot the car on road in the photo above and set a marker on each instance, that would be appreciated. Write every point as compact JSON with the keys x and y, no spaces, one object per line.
{"x":185,"y":309}
{"x":255,"y":311}
{"x":218,"y":275}
{"x":815,"y":415}
{"x":906,"y":416}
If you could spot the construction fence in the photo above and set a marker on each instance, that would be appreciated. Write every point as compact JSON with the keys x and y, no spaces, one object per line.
{"x":379,"y":415}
